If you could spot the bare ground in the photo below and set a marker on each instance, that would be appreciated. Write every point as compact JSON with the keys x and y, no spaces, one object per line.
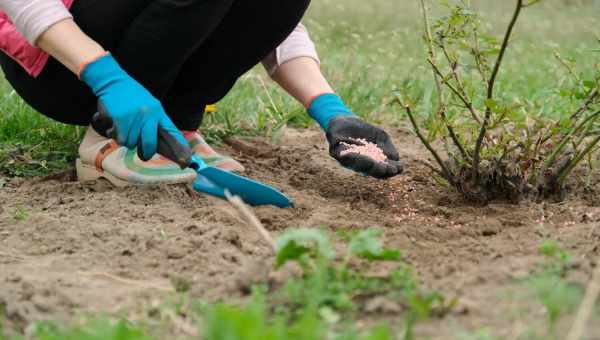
{"x":90,"y":247}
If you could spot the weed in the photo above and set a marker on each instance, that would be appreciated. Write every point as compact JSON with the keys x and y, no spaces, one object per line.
{"x":550,"y":286}
{"x":334,"y":288}
{"x":558,"y":258}
{"x":97,"y":329}
{"x":20,"y":213}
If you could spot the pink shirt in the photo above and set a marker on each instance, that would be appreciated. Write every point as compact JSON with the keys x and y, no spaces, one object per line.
{"x":23,"y":21}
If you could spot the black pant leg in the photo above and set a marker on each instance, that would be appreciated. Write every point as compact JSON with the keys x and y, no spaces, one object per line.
{"x":250,"y":31}
{"x":164,"y":36}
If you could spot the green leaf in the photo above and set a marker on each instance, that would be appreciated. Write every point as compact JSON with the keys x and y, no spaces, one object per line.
{"x":492,"y":104}
{"x":295,"y":244}
{"x":290,"y":252}
{"x":381,"y":332}
{"x":367,"y":245}
{"x":589,"y":84}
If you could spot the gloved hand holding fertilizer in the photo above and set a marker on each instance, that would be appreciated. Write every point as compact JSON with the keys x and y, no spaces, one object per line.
{"x":135,"y":112}
{"x":355,"y":144}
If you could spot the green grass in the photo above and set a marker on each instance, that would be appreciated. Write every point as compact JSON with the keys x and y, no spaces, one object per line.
{"x":31,"y":144}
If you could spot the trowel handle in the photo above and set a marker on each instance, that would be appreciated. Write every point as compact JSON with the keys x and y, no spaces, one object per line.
{"x":168,"y":146}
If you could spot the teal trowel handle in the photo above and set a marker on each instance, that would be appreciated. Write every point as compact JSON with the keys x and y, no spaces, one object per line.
{"x":169,"y":147}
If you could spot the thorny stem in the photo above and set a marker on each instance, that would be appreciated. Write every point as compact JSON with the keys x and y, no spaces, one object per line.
{"x":445,"y":172}
{"x":586,"y":105}
{"x":575,"y":161}
{"x":454,"y":136}
{"x":453,"y":66}
{"x":459,"y":85}
{"x":431,"y":51}
{"x":585,"y":133}
{"x":437,"y":77}
{"x":477,"y":55}
{"x":491,"y":83}
{"x":465,"y":101}
{"x":568,"y":67}
{"x":565,"y":140}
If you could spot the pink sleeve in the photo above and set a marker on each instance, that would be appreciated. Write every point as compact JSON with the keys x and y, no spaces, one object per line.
{"x":34,"y":17}
{"x":298,"y":44}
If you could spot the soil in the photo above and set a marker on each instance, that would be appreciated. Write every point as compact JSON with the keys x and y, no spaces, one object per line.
{"x":92,"y":247}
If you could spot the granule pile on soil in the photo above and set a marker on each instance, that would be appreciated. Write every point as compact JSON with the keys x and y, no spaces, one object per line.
{"x":365,"y":148}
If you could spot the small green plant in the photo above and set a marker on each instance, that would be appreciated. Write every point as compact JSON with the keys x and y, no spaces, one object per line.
{"x":97,"y":329}
{"x":558,"y":258}
{"x":337,"y":288}
{"x":550,"y":286}
{"x":2,"y":321}
{"x":20,"y":213}
{"x":255,"y":322}
{"x":497,"y":147}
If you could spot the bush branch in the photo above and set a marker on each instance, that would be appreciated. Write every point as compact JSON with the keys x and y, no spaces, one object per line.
{"x":431,"y":51}
{"x":468,"y":104}
{"x":490,"y":91}
{"x":445,"y":172}
{"x":586,"y":105}
{"x":576,"y":160}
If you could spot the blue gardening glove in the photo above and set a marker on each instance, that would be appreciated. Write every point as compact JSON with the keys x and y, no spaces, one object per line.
{"x":343,"y":128}
{"x":135,"y":113}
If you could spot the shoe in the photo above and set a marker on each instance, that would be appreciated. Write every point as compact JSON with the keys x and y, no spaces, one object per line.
{"x":209,"y":155}
{"x":100,"y":157}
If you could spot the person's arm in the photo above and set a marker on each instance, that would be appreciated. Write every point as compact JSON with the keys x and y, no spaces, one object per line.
{"x":49,"y":25}
{"x":302,"y":79}
{"x":69,"y":45}
{"x":295,"y":67}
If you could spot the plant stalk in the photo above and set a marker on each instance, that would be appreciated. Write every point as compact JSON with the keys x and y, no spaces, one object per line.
{"x":490,"y":92}
{"x":445,"y":172}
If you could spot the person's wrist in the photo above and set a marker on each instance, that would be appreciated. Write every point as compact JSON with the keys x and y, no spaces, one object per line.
{"x":326,"y":107}
{"x":84,"y":64}
{"x":99,"y":72}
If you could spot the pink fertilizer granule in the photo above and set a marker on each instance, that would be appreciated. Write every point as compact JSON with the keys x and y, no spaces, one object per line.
{"x":365,"y":148}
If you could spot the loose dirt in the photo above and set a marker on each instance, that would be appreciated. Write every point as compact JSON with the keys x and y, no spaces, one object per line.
{"x":91,"y":247}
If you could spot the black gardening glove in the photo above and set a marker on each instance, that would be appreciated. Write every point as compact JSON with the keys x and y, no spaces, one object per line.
{"x":347,"y":130}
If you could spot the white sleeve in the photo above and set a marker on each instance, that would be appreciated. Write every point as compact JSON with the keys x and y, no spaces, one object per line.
{"x":34,"y":17}
{"x":298,"y":44}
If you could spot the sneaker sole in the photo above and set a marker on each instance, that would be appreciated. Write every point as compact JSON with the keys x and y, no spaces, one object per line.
{"x":89,"y":173}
